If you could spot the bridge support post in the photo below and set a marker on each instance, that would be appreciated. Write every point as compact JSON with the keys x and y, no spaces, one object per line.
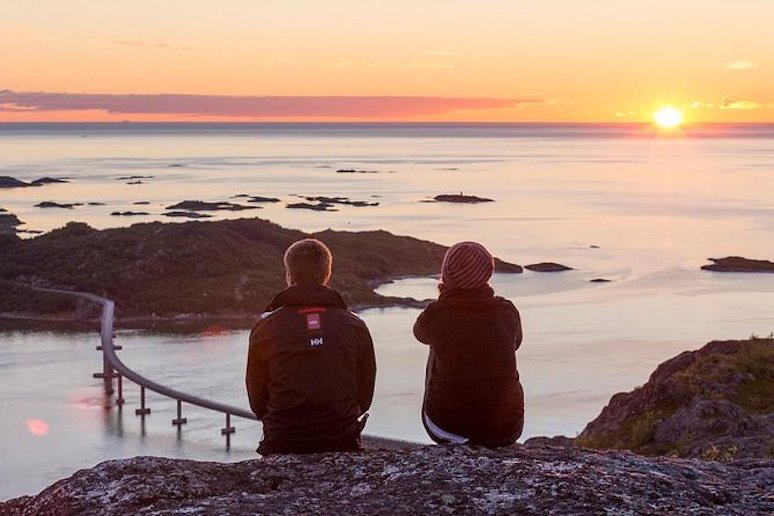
{"x":180,"y":420}
{"x":143,"y":410}
{"x":228,"y":430}
{"x":120,"y":398}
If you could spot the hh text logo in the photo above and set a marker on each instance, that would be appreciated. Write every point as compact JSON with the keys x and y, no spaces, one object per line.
{"x":316,"y":342}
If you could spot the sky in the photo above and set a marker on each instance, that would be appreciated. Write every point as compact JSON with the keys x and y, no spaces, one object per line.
{"x":374,"y":60}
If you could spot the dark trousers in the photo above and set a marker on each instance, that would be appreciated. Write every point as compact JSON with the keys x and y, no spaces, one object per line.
{"x":273,"y":446}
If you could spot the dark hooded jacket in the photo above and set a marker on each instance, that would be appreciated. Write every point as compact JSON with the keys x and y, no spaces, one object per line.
{"x":310,"y":369}
{"x":472,"y":386}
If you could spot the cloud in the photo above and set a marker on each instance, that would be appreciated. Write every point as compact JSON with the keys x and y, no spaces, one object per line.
{"x":743,"y":105}
{"x":410,"y":64}
{"x":731,"y":104}
{"x":147,"y":44}
{"x":253,"y":106}
{"x":741,"y":65}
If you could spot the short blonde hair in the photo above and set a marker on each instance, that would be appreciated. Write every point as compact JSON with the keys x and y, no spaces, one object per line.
{"x":308,"y":262}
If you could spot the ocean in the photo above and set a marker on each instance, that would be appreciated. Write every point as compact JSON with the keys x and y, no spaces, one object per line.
{"x":618,"y":202}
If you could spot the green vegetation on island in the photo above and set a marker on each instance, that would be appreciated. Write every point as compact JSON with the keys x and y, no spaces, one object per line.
{"x":228,"y":269}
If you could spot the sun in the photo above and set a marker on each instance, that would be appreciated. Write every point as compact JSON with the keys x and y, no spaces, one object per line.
{"x":668,"y":117}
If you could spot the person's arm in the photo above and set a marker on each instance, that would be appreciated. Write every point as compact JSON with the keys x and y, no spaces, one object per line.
{"x":257,"y":376}
{"x":421,"y":325}
{"x":366,"y":371}
{"x":518,"y":334}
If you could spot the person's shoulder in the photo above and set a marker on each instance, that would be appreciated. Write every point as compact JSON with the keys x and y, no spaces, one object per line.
{"x":505,"y":304}
{"x":264,"y":319}
{"x":352,"y":317}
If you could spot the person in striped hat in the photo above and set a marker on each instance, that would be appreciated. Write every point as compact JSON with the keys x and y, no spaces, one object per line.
{"x":473,"y":394}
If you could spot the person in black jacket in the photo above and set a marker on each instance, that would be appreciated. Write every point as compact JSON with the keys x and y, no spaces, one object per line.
{"x":310,"y":365}
{"x":472,"y":390}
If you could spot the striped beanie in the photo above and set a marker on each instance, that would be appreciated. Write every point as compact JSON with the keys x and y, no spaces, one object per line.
{"x":466,"y":265}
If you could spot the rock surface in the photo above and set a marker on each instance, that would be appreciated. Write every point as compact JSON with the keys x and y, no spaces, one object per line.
{"x":738,"y":264}
{"x":714,"y":403}
{"x":428,"y":480}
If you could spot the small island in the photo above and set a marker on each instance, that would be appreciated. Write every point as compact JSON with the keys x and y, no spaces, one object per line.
{"x":52,"y":204}
{"x":12,"y":182}
{"x":209,"y":206}
{"x":738,"y":264}
{"x":460,"y":198}
{"x":547,"y":267}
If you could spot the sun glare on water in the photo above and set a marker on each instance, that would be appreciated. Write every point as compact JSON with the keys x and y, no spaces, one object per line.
{"x":668,"y":117}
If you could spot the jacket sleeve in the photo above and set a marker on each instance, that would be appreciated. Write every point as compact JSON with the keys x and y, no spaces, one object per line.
{"x":518,"y":336}
{"x":421,"y":327}
{"x":366,"y":371}
{"x":257,"y":375}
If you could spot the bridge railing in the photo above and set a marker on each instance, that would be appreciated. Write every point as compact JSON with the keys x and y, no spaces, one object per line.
{"x":114,"y":367}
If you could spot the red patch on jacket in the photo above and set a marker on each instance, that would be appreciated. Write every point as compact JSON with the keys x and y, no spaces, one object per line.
{"x":313,"y":322}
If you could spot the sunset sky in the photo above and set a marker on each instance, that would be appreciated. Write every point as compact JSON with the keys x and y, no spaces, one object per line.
{"x":498,"y":60}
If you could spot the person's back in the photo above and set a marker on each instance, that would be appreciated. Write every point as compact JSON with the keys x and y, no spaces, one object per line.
{"x":311,"y":366}
{"x":472,"y":392}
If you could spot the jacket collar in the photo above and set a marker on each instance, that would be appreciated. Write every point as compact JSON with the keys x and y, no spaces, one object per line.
{"x":482,"y":294}
{"x":307,"y":295}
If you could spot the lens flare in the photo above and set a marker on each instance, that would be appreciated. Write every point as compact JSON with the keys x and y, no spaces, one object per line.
{"x":37,"y":427}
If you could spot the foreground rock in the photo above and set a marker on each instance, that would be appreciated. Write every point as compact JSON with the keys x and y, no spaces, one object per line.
{"x":427,"y":480}
{"x":714,"y":403}
{"x":738,"y":264}
{"x":227,"y":269}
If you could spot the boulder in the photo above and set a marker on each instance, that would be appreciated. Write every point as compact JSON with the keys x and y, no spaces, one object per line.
{"x":425,"y":480}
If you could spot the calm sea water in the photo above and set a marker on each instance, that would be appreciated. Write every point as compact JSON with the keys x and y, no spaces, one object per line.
{"x":615,"y":202}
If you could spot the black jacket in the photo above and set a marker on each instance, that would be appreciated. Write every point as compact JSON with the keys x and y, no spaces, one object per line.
{"x":310,"y":367}
{"x":472,"y":387}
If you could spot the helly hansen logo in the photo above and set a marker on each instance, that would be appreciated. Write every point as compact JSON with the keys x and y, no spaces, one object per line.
{"x":313,"y":322}
{"x":316,"y":342}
